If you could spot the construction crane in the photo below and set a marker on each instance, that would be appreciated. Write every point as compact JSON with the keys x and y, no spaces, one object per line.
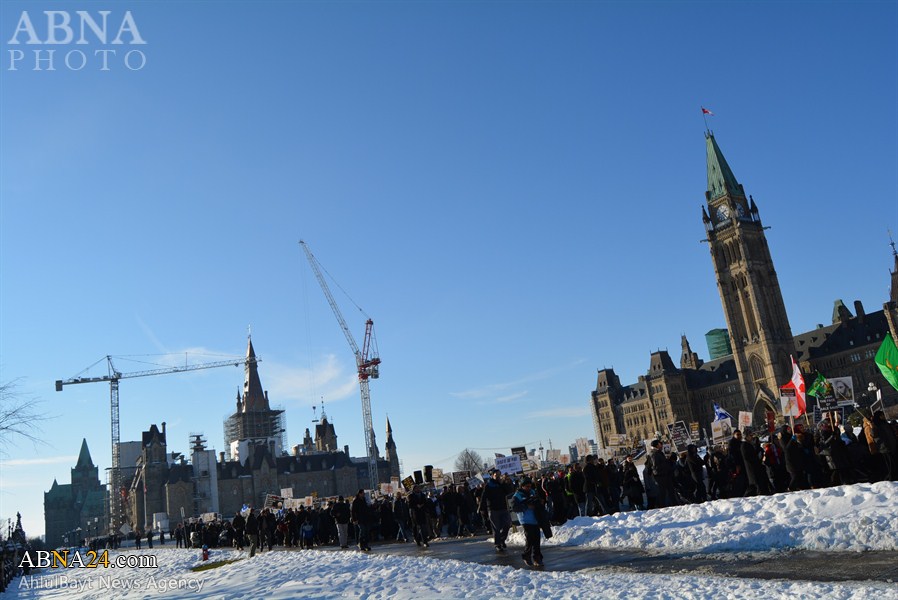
{"x":113,"y":378}
{"x":367,"y":362}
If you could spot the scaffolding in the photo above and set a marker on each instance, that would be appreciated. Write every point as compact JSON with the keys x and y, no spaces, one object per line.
{"x":256,"y":426}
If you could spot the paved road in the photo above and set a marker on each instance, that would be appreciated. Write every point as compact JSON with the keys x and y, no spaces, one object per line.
{"x":779,"y":564}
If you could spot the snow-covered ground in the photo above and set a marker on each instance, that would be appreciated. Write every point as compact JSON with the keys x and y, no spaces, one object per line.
{"x":861,"y":517}
{"x":854,"y":517}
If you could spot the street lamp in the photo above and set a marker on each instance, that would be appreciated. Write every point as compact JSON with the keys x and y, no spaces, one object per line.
{"x":871,"y":387}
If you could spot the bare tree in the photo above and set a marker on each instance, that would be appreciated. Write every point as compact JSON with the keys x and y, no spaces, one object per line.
{"x":19,"y":416}
{"x":469,"y":460}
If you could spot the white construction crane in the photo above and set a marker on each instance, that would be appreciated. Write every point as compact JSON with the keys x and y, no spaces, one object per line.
{"x":115,"y":500}
{"x":367,"y":362}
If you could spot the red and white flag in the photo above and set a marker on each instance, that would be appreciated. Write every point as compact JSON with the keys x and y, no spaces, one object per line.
{"x":797,"y":384}
{"x":705,"y":111}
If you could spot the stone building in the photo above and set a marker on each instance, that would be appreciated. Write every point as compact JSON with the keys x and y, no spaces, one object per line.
{"x":760,"y":336}
{"x":77,"y":509}
{"x":175,"y":487}
{"x":170,"y":483}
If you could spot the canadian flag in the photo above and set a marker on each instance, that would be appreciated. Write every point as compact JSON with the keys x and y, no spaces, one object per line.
{"x":797,"y":384}
{"x":705,"y":111}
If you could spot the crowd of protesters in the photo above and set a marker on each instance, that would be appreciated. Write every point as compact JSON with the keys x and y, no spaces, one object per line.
{"x":790,"y":459}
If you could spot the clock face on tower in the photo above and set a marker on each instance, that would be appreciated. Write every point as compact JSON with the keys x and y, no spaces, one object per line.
{"x":723,"y":213}
{"x":740,"y":211}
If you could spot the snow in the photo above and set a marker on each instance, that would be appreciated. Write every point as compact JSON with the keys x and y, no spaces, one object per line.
{"x":858,"y":517}
{"x":855,"y":518}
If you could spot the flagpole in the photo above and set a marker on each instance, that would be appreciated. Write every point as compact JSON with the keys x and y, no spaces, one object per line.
{"x":705,"y":119}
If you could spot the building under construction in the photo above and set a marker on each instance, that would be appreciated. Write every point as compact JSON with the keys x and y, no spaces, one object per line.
{"x":254,"y":422}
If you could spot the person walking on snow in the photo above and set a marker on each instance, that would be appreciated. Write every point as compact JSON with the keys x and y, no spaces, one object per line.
{"x":527,"y":504}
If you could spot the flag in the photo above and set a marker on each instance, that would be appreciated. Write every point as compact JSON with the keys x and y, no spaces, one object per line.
{"x":720,"y":414}
{"x":818,"y":388}
{"x":797,"y":384}
{"x":887,"y":360}
{"x":705,"y":111}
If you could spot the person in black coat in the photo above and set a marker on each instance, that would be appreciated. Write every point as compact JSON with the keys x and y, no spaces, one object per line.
{"x":419,"y":506}
{"x":495,"y":497}
{"x":632,"y":484}
{"x":402,"y":516}
{"x":739,"y":481}
{"x":239,"y":524}
{"x":795,"y":461}
{"x":663,"y":473}
{"x":758,"y":483}
{"x":342,"y":515}
{"x":886,"y":442}
{"x":835,"y":453}
{"x":591,"y":487}
{"x":697,"y":471}
{"x":252,"y":531}
{"x":360,"y":513}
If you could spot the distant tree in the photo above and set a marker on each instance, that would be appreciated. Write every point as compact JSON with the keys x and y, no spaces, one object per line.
{"x":19,"y":417}
{"x":469,"y":460}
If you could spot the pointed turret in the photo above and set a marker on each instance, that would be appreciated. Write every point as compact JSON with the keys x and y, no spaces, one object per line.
{"x":893,"y":295}
{"x":890,"y":308}
{"x":254,"y":398}
{"x":390,"y":451}
{"x":84,"y":460}
{"x":688,"y":358}
{"x":721,"y":180}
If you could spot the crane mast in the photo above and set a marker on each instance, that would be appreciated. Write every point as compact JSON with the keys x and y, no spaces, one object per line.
{"x":115,"y":500}
{"x":367,"y":362}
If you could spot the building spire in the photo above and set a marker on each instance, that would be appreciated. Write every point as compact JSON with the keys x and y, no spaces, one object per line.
{"x":254,"y":398}
{"x":84,"y":460}
{"x":893,"y":295}
{"x":721,"y":180}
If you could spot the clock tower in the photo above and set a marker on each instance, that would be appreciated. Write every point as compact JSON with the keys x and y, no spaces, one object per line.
{"x":750,"y":292}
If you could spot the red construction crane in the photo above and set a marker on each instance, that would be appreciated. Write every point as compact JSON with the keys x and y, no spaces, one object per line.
{"x":367,"y":362}
{"x":115,"y":501}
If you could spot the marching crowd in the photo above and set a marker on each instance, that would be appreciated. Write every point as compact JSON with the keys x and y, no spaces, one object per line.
{"x":793,"y":458}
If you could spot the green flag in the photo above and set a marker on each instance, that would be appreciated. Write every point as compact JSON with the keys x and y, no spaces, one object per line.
{"x":887,"y":360}
{"x":818,"y":388}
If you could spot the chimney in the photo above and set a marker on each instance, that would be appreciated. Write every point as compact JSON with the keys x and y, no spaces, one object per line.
{"x":859,"y":310}
{"x":221,"y":457}
{"x":163,"y":428}
{"x":346,"y":449}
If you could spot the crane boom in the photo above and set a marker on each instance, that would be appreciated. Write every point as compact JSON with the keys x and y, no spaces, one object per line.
{"x":366,"y":360}
{"x":330,"y":299}
{"x":115,"y":502}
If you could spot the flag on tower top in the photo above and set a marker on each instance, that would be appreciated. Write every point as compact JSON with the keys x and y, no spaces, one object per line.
{"x":705,"y":111}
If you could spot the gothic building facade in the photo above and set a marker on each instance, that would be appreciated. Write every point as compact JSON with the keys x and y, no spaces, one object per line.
{"x":760,"y":336}
{"x":171,"y":485}
{"x":76,"y":510}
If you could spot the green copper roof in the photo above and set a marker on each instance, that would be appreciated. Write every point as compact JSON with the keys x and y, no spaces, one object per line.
{"x":720,"y":177}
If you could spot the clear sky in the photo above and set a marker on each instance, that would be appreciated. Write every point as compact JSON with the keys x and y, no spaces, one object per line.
{"x":512,"y":191}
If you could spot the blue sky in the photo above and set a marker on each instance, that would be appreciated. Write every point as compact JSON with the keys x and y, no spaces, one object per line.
{"x":512,"y":191}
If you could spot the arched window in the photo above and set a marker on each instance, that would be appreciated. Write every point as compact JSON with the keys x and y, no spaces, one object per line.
{"x":757,"y":368}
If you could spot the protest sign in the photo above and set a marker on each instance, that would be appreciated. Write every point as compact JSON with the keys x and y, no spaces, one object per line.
{"x":509,"y":464}
{"x":679,"y":435}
